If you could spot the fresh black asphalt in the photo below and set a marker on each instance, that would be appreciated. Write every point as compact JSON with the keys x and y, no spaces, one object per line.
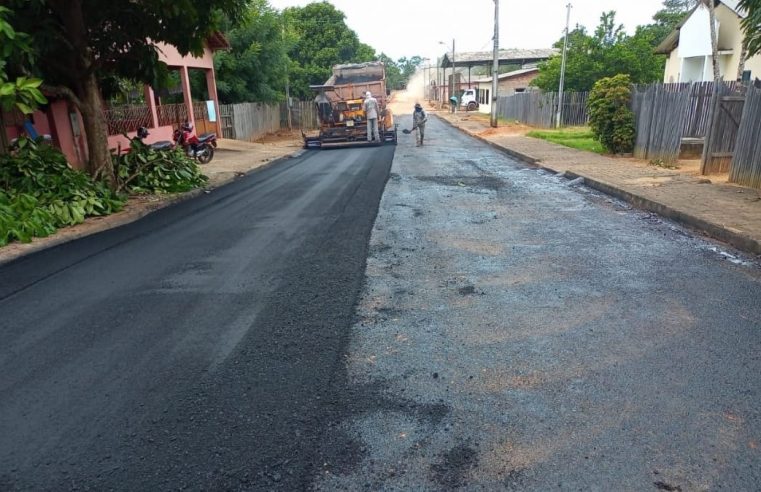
{"x":202,"y":347}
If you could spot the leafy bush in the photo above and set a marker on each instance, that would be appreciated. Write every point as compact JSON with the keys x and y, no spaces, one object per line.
{"x":39,"y":193}
{"x":145,"y":170}
{"x":611,"y":119}
{"x":22,"y":218}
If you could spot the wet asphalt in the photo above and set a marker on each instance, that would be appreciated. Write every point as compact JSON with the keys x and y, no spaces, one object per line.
{"x":200,"y":348}
{"x":525,"y":334}
{"x":493,"y":329}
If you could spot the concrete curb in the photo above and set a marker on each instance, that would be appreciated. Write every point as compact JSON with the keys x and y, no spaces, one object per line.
{"x":130,"y":217}
{"x":510,"y":152}
{"x":737,"y":239}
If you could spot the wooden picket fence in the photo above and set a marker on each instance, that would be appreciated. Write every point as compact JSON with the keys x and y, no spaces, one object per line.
{"x":659,"y":118}
{"x":252,"y":121}
{"x":539,"y":109}
{"x":667,"y":113}
{"x":746,"y":160}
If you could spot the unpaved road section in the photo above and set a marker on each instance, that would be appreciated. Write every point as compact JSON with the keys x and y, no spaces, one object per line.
{"x":521,"y":334}
{"x":201,"y":347}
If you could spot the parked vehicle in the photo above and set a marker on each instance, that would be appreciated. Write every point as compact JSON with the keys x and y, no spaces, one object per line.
{"x":200,"y":147}
{"x":142,"y":133}
{"x":469,"y":99}
{"x":340,"y":106}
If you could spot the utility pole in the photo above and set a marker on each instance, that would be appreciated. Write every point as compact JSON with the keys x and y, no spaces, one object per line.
{"x":287,"y":90}
{"x":559,"y":116}
{"x":495,"y":67}
{"x":454,"y":76}
{"x":424,"y":86}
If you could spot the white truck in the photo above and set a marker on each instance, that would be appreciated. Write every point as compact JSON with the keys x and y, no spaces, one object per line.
{"x":469,"y":99}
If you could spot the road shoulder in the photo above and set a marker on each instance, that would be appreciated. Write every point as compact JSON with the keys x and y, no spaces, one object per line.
{"x":234,"y":159}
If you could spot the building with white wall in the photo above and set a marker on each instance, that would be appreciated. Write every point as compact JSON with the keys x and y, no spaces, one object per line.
{"x":689,"y":46}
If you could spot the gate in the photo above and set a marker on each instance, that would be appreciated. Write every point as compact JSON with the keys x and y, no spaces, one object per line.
{"x":725,"y":117}
{"x":226,"y":118}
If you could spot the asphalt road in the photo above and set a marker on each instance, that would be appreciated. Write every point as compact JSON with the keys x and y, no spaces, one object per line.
{"x":502,"y":330}
{"x":518,"y":333}
{"x":202,"y":347}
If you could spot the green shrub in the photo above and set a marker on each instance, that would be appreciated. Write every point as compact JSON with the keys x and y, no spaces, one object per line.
{"x":22,"y":218}
{"x":610,"y":117}
{"x":145,"y":170}
{"x":39,"y":193}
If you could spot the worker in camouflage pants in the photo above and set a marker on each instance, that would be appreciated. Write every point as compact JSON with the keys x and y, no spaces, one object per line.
{"x":418,"y":123}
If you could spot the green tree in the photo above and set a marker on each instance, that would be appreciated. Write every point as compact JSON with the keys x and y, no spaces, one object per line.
{"x":669,"y":17}
{"x":611,"y":119}
{"x":81,"y":45}
{"x":256,"y":66}
{"x":322,"y":39}
{"x":394,"y":78}
{"x":608,"y":52}
{"x":752,"y":26}
{"x":23,"y":93}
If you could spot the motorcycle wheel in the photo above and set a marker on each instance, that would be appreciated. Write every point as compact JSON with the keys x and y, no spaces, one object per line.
{"x":205,"y":155}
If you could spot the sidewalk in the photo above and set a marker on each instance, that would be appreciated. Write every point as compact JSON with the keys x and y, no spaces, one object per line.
{"x":233,"y":159}
{"x":724,"y":211}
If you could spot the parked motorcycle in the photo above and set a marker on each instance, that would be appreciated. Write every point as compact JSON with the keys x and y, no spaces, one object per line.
{"x":142,"y":133}
{"x":198,"y":147}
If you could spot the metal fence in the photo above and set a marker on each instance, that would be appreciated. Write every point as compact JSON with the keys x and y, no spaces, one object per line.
{"x":252,"y":121}
{"x":172,"y":114}
{"x":539,"y":108}
{"x":125,"y":119}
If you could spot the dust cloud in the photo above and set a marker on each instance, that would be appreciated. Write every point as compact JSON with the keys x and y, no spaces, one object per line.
{"x":403,"y":102}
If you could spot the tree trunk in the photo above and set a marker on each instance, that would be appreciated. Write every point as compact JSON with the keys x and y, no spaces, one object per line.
{"x":714,"y":41}
{"x":3,"y":135}
{"x":99,"y":163}
{"x":743,"y":58}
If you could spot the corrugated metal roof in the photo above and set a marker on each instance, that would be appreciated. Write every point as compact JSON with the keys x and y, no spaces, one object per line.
{"x":509,"y":75}
{"x":506,"y":56}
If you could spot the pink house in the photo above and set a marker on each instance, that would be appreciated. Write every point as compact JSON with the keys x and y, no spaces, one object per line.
{"x":61,"y":120}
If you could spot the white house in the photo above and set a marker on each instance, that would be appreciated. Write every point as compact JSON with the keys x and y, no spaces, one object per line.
{"x":689,"y":46}
{"x":509,"y":83}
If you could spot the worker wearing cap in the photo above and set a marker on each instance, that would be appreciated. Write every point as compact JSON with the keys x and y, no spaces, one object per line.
{"x":418,"y":122}
{"x":372,"y":111}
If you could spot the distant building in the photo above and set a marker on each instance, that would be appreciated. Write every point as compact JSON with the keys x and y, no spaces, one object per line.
{"x":509,"y":84}
{"x":689,"y":46}
{"x":465,"y":61}
{"x":62,"y":122}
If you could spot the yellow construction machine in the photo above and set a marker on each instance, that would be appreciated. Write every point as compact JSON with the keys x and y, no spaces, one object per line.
{"x":340,"y":106}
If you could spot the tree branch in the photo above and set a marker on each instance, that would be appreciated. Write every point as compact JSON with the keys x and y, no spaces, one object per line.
{"x":61,"y":91}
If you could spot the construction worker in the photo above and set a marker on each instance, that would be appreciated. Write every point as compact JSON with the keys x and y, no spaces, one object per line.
{"x":418,"y":122}
{"x":372,"y":111}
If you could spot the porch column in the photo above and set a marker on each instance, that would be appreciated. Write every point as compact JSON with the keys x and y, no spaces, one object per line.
{"x":186,"y":97}
{"x":150,"y":98}
{"x":211,"y":87}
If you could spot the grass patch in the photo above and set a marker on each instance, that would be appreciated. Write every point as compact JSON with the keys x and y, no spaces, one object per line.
{"x":577,"y":138}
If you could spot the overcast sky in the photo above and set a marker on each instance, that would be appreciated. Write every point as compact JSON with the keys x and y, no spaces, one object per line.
{"x":414,"y":27}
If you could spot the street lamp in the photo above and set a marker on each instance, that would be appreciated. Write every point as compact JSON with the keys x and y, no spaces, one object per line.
{"x":452,"y":87}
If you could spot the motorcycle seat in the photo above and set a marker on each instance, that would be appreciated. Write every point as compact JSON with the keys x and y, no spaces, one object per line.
{"x":207,"y":136}
{"x":162,"y":145}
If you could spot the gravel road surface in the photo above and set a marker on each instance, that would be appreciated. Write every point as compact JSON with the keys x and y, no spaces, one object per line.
{"x":519,"y":333}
